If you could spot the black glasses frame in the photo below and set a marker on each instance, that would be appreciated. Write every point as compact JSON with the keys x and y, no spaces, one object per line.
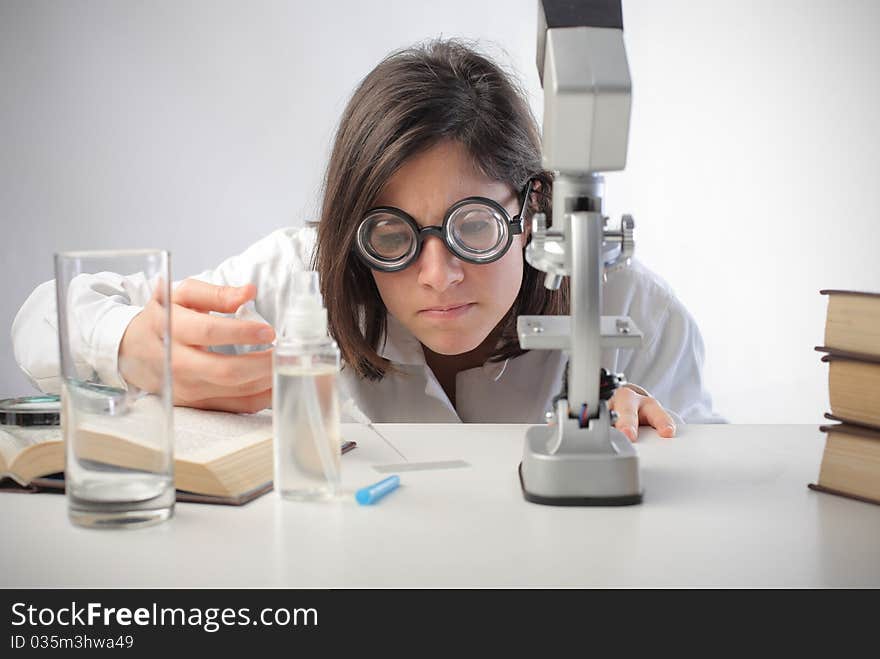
{"x":515,"y":226}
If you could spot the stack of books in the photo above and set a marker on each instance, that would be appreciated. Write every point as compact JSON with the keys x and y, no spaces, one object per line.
{"x":851,"y":460}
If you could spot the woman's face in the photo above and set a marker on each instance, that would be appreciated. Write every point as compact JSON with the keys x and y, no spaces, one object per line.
{"x":451,"y":306}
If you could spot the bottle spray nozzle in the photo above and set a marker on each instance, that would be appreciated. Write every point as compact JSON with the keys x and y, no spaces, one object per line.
{"x":304,"y":316}
{"x":305,"y":285}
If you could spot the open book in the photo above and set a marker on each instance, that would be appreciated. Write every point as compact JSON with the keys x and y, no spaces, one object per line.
{"x":218,"y":457}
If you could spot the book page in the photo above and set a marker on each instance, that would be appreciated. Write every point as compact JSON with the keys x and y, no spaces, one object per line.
{"x":16,"y":439}
{"x":199,"y":436}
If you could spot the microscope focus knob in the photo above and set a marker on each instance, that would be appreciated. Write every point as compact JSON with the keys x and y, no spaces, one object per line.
{"x":627,"y":241}
{"x":539,"y":223}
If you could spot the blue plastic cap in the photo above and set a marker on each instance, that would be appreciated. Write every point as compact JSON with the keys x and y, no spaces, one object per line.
{"x":372,"y":493}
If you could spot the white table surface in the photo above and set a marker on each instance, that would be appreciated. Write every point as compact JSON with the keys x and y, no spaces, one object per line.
{"x":725,"y":505}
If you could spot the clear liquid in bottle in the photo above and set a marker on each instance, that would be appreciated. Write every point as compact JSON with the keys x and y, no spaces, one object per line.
{"x":307,"y":440}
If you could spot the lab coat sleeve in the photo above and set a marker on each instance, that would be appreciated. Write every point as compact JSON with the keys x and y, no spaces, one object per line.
{"x":268,"y":265}
{"x":670,"y":365}
{"x":103,"y":306}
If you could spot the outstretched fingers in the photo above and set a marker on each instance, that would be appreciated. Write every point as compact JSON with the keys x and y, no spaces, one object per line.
{"x":634,"y":409}
{"x":199,"y":329}
{"x":651,"y":413}
{"x":625,"y":402}
{"x":202,"y":296}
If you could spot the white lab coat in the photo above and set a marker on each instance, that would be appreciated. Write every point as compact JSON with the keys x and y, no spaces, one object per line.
{"x":668,"y":364}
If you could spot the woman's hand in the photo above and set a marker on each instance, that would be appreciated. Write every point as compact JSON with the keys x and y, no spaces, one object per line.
{"x":203,"y":379}
{"x":634,"y":409}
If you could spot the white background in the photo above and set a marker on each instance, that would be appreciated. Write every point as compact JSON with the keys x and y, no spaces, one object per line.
{"x":753,"y":170}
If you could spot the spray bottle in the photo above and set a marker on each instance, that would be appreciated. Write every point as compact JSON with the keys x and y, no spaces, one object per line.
{"x":305,"y":401}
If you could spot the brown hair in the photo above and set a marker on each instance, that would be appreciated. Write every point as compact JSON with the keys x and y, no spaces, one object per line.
{"x":414,"y":98}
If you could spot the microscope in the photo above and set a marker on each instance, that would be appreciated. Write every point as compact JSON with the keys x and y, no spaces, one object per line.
{"x":578,"y":458}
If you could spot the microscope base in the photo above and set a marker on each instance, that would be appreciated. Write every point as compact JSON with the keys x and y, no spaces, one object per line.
{"x":625,"y":500}
{"x":566,"y":465}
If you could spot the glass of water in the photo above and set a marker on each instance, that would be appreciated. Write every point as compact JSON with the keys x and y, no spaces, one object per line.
{"x":119,"y":441}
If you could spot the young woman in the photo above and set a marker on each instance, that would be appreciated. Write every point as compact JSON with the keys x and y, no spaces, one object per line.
{"x":433,"y":179}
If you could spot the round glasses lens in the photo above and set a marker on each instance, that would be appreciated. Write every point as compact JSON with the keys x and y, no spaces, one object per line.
{"x":478,"y":229}
{"x":388,"y":237}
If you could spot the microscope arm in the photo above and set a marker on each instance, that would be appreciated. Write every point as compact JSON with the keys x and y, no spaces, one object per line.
{"x":580,"y":458}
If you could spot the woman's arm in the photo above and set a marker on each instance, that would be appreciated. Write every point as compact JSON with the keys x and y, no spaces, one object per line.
{"x":117,"y":319}
{"x":668,"y":366}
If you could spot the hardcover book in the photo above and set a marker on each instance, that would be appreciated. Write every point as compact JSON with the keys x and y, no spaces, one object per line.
{"x":852,"y":322}
{"x":850,"y":462}
{"x":219,"y":457}
{"x":853,"y":386}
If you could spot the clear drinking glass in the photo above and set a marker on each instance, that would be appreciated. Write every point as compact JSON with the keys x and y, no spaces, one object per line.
{"x":119,"y":440}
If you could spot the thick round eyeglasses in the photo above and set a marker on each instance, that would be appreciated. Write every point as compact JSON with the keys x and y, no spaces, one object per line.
{"x":476,"y":229}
